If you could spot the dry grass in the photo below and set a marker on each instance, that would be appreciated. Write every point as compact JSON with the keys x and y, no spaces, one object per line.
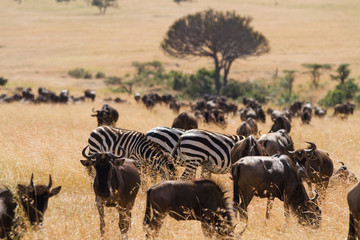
{"x":41,"y":40}
{"x":47,"y":139}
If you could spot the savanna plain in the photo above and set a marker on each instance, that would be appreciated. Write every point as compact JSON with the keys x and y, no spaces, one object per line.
{"x":41,"y":40}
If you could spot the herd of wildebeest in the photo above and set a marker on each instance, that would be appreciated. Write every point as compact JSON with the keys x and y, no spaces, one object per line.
{"x":266,"y":166}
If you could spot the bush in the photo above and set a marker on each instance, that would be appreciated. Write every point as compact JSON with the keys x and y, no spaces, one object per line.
{"x":79,"y":73}
{"x":200,"y":83}
{"x":113,"y":80}
{"x":340,"y":94}
{"x":100,"y":75}
{"x":3,"y":81}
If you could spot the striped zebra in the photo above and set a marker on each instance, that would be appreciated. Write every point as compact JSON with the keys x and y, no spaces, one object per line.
{"x":166,"y":137}
{"x":210,"y":150}
{"x":137,"y":147}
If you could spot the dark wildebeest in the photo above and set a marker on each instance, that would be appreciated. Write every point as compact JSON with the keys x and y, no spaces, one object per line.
{"x":199,"y":199}
{"x":343,"y":176}
{"x":295,"y":108}
{"x":281,"y":122}
{"x":317,"y":164}
{"x":28,"y":95}
{"x":247,"y":147}
{"x":185,"y":121}
{"x":64,"y":96}
{"x":277,"y":142}
{"x":247,"y":128}
{"x":116,"y":184}
{"x":107,"y":115}
{"x":90,"y":94}
{"x":175,"y":106}
{"x":345,"y":108}
{"x":273,"y":177}
{"x":137,"y":97}
{"x":353,"y":199}
{"x":320,"y":112}
{"x":33,"y":200}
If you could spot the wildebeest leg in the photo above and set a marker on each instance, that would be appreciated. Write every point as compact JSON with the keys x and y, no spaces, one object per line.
{"x":205,"y":173}
{"x":100,"y":207}
{"x":245,"y":201}
{"x":269,"y":206}
{"x":124,"y":221}
{"x":190,"y":170}
{"x":286,"y":210}
{"x":352,"y":229}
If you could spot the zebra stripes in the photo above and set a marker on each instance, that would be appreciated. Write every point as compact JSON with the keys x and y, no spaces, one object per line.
{"x":209,"y":149}
{"x":137,"y":147}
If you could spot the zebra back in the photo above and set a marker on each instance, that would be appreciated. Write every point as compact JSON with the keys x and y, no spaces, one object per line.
{"x":137,"y":146}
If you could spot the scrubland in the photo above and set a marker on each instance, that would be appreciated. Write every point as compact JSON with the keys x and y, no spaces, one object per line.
{"x":41,"y":40}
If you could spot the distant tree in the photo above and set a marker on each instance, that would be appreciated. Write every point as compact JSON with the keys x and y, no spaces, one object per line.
{"x":315,"y":71}
{"x":179,"y":1}
{"x":104,"y":4}
{"x":288,"y":80}
{"x":224,"y":37}
{"x":343,"y":73}
{"x":3,"y":81}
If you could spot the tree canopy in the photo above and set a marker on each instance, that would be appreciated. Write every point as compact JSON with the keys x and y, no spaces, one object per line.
{"x":224,"y":37}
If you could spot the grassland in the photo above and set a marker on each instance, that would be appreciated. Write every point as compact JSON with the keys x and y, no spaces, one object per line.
{"x":41,"y":40}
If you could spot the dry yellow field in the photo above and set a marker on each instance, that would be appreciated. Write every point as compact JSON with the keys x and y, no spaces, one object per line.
{"x":41,"y":40}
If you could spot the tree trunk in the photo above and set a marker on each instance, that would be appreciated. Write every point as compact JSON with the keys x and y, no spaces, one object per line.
{"x":226,"y":72}
{"x":217,"y":75}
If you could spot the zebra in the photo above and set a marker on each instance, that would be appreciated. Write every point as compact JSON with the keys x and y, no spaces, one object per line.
{"x":211,"y":150}
{"x":167,"y":138}
{"x":138,"y":147}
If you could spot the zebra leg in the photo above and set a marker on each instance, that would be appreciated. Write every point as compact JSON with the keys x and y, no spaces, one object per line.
{"x":190,"y":170}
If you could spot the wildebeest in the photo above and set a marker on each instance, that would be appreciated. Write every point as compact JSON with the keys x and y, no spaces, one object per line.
{"x":185,"y":121}
{"x":320,"y":112}
{"x":64,"y":96}
{"x":343,"y":176}
{"x":281,"y":122}
{"x":33,"y":199}
{"x":277,"y":142}
{"x":353,"y":198}
{"x":295,"y":108}
{"x":247,"y":147}
{"x":175,"y":106}
{"x":107,"y":115}
{"x":137,"y":97}
{"x":90,"y":94}
{"x":247,"y":128}
{"x":318,"y":166}
{"x":116,"y":184}
{"x":345,"y":108}
{"x":200,"y":199}
{"x":273,"y":177}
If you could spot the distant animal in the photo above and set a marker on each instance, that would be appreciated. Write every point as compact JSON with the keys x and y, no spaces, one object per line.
{"x":317,"y":164}
{"x":107,"y":115}
{"x":145,"y":153}
{"x":277,"y":142}
{"x":281,"y":122}
{"x":116,"y":184}
{"x":175,"y":106}
{"x":247,"y":128}
{"x":90,"y":94}
{"x":64,"y":96}
{"x":273,"y":177}
{"x":296,"y":107}
{"x":202,"y":200}
{"x":33,"y":201}
{"x":247,"y":147}
{"x":28,"y":95}
{"x":185,"y":121}
{"x":353,"y":199}
{"x":343,"y":176}
{"x":137,"y":97}
{"x":320,"y":112}
{"x":345,"y":108}
{"x":208,"y":149}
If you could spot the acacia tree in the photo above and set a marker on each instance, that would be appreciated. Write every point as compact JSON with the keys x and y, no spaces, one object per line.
{"x":315,"y":71}
{"x":224,"y":37}
{"x":343,"y":73}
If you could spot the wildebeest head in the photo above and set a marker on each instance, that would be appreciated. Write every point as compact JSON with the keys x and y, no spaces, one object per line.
{"x":106,"y":116}
{"x":310,"y":212}
{"x":103,"y":162}
{"x":34,"y":199}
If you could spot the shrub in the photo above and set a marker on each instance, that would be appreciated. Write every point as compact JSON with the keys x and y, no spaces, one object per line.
{"x":200,"y":83}
{"x":113,"y":80}
{"x":79,"y":73}
{"x":3,"y":81}
{"x":340,"y":94}
{"x":100,"y":75}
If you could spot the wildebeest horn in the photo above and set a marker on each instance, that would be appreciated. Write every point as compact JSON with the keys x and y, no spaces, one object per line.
{"x":50,"y":182}
{"x":31,"y":180}
{"x":117,"y":156}
{"x":87,"y":156}
{"x":287,"y":148}
{"x":313,"y":147}
{"x":316,"y":196}
{"x":97,"y":112}
{"x":342,"y":163}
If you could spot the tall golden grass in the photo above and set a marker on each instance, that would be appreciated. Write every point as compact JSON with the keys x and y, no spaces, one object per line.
{"x":41,"y":40}
{"x":48,"y":139}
